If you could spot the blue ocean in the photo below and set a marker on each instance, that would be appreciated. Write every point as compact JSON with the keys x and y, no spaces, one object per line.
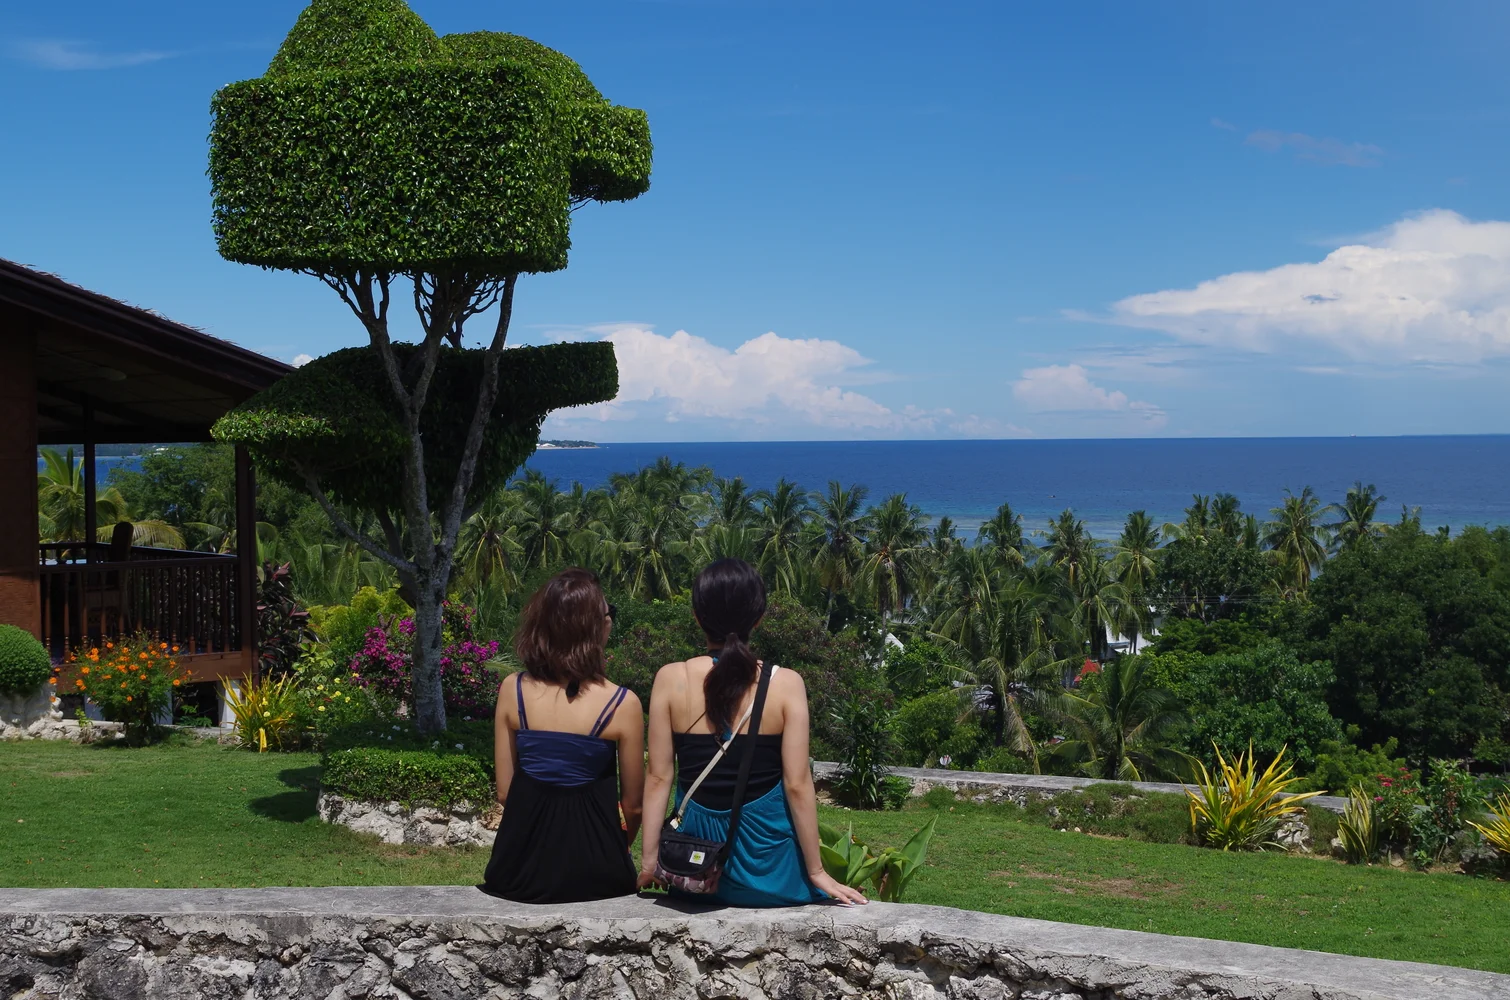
{"x":1456,"y":481}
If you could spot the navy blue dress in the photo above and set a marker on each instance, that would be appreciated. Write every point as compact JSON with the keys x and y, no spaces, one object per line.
{"x":560,"y":839}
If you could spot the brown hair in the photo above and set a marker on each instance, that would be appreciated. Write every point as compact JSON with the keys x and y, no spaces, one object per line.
{"x":560,"y":635}
{"x":729,"y":599}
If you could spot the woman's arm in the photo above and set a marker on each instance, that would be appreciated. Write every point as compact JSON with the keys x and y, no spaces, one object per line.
{"x":801,"y":797}
{"x":662,"y":769}
{"x":503,"y":737}
{"x":628,"y":730}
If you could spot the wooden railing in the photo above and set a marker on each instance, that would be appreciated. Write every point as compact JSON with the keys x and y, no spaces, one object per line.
{"x":189,"y":599}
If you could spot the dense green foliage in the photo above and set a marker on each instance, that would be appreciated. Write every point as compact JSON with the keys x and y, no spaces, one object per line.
{"x":414,"y":777}
{"x":24,"y":663}
{"x":470,"y":152}
{"x":336,"y":420}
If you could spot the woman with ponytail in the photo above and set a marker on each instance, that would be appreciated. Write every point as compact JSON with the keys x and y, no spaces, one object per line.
{"x":695,"y":707}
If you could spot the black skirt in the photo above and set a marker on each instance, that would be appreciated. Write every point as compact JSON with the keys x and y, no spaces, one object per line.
{"x":560,"y":844}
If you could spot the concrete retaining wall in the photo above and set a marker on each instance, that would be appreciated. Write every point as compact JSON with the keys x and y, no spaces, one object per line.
{"x":987,"y":787}
{"x":450,"y":943}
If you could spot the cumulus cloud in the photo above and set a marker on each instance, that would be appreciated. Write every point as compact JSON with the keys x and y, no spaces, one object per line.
{"x":771,"y":384}
{"x":59,"y":54}
{"x":300,"y":360}
{"x":1431,"y":288}
{"x":1328,"y":151}
{"x":1069,"y":389}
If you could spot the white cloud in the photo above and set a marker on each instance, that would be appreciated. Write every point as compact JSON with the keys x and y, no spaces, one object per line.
{"x":1328,"y":151}
{"x":300,"y":360}
{"x":59,"y":54}
{"x":1433,"y":287}
{"x":1068,"y":389}
{"x":768,"y":385}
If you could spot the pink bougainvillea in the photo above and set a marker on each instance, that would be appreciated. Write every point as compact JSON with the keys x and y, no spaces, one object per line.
{"x":469,"y":687}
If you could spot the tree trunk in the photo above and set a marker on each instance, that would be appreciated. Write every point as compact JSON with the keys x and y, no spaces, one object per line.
{"x":1000,"y":724}
{"x":429,"y":702}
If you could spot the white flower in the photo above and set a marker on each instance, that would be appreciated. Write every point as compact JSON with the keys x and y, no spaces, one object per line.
{"x":460,"y":747}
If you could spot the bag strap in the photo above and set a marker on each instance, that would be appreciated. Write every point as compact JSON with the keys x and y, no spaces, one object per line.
{"x":749,"y":757}
{"x":675,"y":821}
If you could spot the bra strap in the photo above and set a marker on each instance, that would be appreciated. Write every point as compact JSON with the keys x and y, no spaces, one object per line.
{"x":606,"y":716}
{"x":524,"y":722}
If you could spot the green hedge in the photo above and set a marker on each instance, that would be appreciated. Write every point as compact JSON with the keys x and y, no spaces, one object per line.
{"x":371,"y":142}
{"x":337,"y":418}
{"x":24,"y":663}
{"x":413,"y":777}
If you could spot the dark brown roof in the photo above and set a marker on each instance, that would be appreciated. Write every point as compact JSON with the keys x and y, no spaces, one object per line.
{"x":147,"y":378}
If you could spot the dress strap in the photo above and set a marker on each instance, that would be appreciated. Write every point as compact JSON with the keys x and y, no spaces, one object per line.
{"x":606,"y":716}
{"x":524,"y":722}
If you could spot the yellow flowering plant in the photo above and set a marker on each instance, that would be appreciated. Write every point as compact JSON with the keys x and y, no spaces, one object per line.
{"x":131,"y":680}
{"x":330,"y":696}
{"x":266,"y":713}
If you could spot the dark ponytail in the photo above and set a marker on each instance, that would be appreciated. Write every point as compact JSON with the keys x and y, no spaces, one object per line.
{"x":728,"y":599}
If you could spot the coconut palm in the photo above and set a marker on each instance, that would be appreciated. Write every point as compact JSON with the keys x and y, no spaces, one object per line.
{"x":1297,"y":540}
{"x":1226,"y":515}
{"x":1135,"y":564}
{"x":1355,"y":523}
{"x":894,"y":553}
{"x":543,"y":519}
{"x":730,"y":531}
{"x":839,"y":538}
{"x":1001,"y":624}
{"x":1098,"y":603}
{"x":783,"y":511}
{"x":1068,"y":545}
{"x":1003,"y":532}
{"x":1197,"y":521}
{"x":1121,"y":724}
{"x":488,"y":549}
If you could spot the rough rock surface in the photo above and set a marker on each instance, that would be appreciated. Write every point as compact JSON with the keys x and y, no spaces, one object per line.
{"x":450,"y":943}
{"x":395,"y":823}
{"x":54,"y":727}
{"x":981,"y":786}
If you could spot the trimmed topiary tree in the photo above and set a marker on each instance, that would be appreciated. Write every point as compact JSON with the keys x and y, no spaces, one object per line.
{"x":24,"y":663}
{"x":372,"y":153}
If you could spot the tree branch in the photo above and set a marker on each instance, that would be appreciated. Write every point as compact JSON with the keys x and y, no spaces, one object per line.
{"x":344,"y":527}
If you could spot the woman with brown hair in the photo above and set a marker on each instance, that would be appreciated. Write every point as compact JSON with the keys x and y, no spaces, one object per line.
{"x":707,"y":706}
{"x":569,"y":749}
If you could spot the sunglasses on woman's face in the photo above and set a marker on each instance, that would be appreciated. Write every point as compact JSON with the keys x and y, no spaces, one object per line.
{"x":613,"y":612}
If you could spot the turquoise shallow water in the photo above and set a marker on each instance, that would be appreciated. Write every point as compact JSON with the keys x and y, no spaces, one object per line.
{"x":1455,"y":481}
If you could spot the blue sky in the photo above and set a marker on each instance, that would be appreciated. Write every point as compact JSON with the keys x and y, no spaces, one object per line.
{"x":884,"y":220}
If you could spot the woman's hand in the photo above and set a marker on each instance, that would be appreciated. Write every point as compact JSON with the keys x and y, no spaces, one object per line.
{"x":647,"y":880}
{"x":842,"y":894}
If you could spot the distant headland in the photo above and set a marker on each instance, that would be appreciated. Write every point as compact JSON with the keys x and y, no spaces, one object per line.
{"x":568,"y":444}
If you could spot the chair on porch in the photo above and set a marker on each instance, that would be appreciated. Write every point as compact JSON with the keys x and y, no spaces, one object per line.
{"x":106,"y":592}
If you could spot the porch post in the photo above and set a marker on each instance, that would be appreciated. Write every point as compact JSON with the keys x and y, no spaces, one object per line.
{"x":91,"y":515}
{"x":20,"y":601}
{"x":246,"y":556}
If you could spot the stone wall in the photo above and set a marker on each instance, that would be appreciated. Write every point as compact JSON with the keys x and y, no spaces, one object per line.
{"x":395,"y":823}
{"x":1018,"y":788}
{"x":450,"y":943}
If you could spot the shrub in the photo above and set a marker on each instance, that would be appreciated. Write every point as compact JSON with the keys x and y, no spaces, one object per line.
{"x":1241,"y":809}
{"x":1341,"y":765}
{"x":329,"y":696}
{"x":923,"y":726}
{"x":131,"y":681}
{"x":24,"y":663}
{"x":866,"y":752}
{"x":919,"y":669}
{"x":1003,"y":760}
{"x":344,"y":627}
{"x":1359,"y":829}
{"x":1114,"y":809}
{"x":470,"y":688}
{"x":282,"y":624}
{"x":852,"y":862}
{"x":1449,"y":795}
{"x":413,"y":777}
{"x":266,"y":713}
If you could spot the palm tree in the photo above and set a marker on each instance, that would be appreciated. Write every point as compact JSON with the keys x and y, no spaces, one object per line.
{"x":488,"y":548}
{"x":61,"y":507}
{"x":1069,"y":545}
{"x":893,"y":553}
{"x":1355,"y":523}
{"x":1136,"y":564}
{"x":1197,"y":521}
{"x":729,"y":532}
{"x":783,"y":512}
{"x":1003,"y":532}
{"x":1002,"y":625}
{"x":543,"y":519}
{"x":839,"y":545}
{"x":1226,"y":515}
{"x":1098,"y":603}
{"x":1120,"y":725}
{"x":1297,"y":540}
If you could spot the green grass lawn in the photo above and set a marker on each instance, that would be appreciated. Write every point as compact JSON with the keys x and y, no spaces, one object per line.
{"x":200,"y":815}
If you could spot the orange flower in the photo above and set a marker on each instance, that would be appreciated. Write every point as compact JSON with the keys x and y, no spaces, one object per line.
{"x":175,"y":682}
{"x":123,"y":683}
{"x":52,"y":680}
{"x":141,"y":677}
{"x":163,"y":646}
{"x":175,"y":649}
{"x":142,"y":655}
{"x":109,"y":645}
{"x":128,"y":697}
{"x":78,"y":684}
{"x":83,"y":670}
